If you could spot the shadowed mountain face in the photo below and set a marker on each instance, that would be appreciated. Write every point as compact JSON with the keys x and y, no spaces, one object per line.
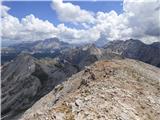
{"x":26,"y":79}
{"x":135,"y":49}
{"x":86,"y":55}
{"x":81,"y":56}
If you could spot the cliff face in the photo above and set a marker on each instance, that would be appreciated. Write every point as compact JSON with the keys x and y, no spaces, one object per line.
{"x":116,"y":89}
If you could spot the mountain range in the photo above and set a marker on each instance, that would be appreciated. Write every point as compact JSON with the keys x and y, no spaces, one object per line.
{"x":42,"y":48}
{"x":57,"y":69}
{"x":53,"y":47}
{"x":135,"y":49}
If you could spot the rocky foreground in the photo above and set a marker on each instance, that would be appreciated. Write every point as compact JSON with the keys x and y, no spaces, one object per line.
{"x":107,"y":90}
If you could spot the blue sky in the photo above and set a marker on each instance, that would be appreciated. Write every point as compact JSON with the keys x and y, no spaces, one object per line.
{"x":43,"y":10}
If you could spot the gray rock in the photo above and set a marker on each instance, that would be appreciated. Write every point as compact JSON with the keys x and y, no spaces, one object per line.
{"x":26,"y":79}
{"x":129,"y":93}
{"x":135,"y":49}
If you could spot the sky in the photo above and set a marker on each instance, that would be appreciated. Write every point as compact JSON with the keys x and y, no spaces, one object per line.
{"x":81,"y":21}
{"x":20,"y":9}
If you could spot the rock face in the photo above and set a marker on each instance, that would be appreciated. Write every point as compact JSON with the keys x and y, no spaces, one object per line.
{"x":27,"y":79}
{"x":81,"y":56}
{"x":101,"y":41}
{"x":116,"y":89}
{"x":41,"y":45}
{"x":86,"y":55}
{"x":135,"y":49}
{"x":18,"y":84}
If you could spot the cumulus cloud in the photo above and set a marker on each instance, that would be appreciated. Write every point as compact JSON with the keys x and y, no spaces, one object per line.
{"x":29,"y":28}
{"x":67,"y":12}
{"x":143,"y":18}
{"x":77,"y":36}
{"x":140,"y":20}
{"x":112,"y":25}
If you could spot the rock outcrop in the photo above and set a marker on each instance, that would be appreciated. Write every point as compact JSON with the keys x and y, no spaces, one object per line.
{"x":116,"y":89}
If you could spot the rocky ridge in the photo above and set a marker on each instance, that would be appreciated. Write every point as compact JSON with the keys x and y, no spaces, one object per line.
{"x":115,"y":89}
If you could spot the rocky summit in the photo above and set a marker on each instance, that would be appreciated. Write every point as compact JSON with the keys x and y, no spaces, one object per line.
{"x":106,"y":90}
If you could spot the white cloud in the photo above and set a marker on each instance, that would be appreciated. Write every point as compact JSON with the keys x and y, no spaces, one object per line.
{"x":4,"y":10}
{"x":67,"y":12}
{"x":140,"y":20}
{"x":113,"y":25}
{"x":144,"y":18}
{"x":29,"y":28}
{"x":77,"y":36}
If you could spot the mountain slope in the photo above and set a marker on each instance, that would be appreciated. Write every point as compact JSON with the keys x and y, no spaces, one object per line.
{"x":116,"y":89}
{"x":135,"y":49}
{"x":85,"y":55}
{"x":26,"y":79}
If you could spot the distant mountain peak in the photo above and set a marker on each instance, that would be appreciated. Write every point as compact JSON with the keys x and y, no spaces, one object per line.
{"x":55,"y":39}
{"x":135,"y":49}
